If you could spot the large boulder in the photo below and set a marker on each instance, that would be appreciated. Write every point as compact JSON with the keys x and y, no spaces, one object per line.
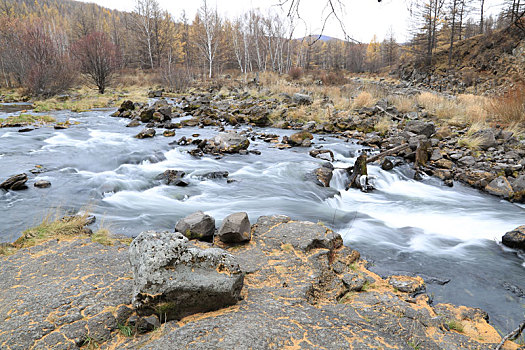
{"x":235,"y":228}
{"x":198,"y":225}
{"x":127,"y":106}
{"x":298,"y":138}
{"x":500,"y":187}
{"x":146,"y":115}
{"x":420,"y":128}
{"x":515,"y":238}
{"x":173,"y":177}
{"x":302,"y":99}
{"x":324,"y":175}
{"x":487,"y":138}
{"x":174,"y":279}
{"x":229,"y":142}
{"x":15,"y":183}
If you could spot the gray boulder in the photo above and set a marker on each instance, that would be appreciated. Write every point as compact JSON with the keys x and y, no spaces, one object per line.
{"x":229,"y":142}
{"x":174,"y":279}
{"x":515,"y":238}
{"x":500,"y":187}
{"x":487,"y":139}
{"x":519,"y":184}
{"x":235,"y":228}
{"x":197,"y":226}
{"x":302,"y":99}
{"x":420,"y":128}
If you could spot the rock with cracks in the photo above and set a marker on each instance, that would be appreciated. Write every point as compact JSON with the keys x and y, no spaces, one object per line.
{"x":174,"y":279}
{"x":515,"y":238}
{"x":235,"y":228}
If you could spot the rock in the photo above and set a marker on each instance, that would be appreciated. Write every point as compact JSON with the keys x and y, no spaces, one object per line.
{"x":302,"y":99}
{"x":126,"y":106}
{"x":420,"y":128}
{"x":168,"y":133}
{"x":215,"y":175}
{"x":228,"y":142}
{"x":174,"y":279}
{"x":147,"y":324}
{"x":387,"y":164}
{"x":197,"y":226}
{"x":155,"y":93}
{"x":467,"y":161}
{"x":324,"y":154}
{"x":133,"y":124}
{"x":146,"y":115}
{"x":172,"y":177}
{"x":519,"y":184}
{"x":500,"y":187}
{"x":26,"y":129}
{"x":515,"y":238}
{"x":146,"y":133}
{"x":407,"y":284}
{"x":486,"y":138}
{"x":42,"y":184}
{"x":324,"y":175}
{"x":15,"y":183}
{"x":353,"y":282}
{"x":235,"y":228}
{"x":298,"y":138}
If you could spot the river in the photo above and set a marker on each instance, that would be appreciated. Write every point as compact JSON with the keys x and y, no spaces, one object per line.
{"x":404,"y":227}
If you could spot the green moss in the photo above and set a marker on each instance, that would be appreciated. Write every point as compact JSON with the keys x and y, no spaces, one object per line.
{"x":26,"y":119}
{"x":455,"y":325}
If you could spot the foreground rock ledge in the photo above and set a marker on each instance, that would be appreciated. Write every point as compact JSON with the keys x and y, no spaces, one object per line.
{"x":302,"y":289}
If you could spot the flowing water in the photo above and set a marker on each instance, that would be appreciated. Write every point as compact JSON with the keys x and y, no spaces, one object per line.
{"x":449,"y":236}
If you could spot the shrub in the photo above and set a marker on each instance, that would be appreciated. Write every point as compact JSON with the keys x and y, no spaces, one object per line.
{"x":364,"y":99}
{"x":295,"y":73}
{"x":509,"y":108}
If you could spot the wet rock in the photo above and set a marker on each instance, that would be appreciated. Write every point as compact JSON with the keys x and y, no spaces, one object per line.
{"x":146,"y":115}
{"x":515,"y":238}
{"x":26,"y":129}
{"x":175,"y":279}
{"x":146,"y":133}
{"x":324,"y":154}
{"x":302,"y":99}
{"x":298,"y":138}
{"x":198,"y":225}
{"x":228,"y":142}
{"x":215,"y":175}
{"x":133,"y":123}
{"x":486,"y":138}
{"x":387,"y":164}
{"x":15,"y":183}
{"x":235,"y":228}
{"x":126,"y":106}
{"x":518,"y":185}
{"x":419,"y":127}
{"x":324,"y":175}
{"x":42,"y":184}
{"x":500,"y":187}
{"x":407,"y":284}
{"x":168,"y":133}
{"x":172,"y":177}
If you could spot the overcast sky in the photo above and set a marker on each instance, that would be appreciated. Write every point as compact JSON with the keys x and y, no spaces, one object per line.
{"x":362,"y":18}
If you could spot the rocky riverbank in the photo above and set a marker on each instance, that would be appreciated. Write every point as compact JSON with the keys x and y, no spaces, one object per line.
{"x":294,"y":285}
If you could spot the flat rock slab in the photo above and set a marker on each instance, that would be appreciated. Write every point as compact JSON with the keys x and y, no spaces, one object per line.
{"x":57,"y":294}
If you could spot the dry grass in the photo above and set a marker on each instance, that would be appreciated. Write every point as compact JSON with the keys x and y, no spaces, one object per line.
{"x":383,"y":125}
{"x":26,"y":119}
{"x":364,"y":99}
{"x":470,"y":142}
{"x":509,"y":108}
{"x":404,"y":104}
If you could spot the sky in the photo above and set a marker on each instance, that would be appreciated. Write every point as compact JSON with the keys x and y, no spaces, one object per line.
{"x":362,"y":18}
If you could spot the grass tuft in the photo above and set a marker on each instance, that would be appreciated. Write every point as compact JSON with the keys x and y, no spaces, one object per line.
{"x":26,"y":119}
{"x":455,"y":325}
{"x":364,"y":99}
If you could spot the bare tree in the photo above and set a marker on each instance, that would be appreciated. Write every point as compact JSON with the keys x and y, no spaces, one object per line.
{"x":208,"y":38}
{"x":97,"y":57}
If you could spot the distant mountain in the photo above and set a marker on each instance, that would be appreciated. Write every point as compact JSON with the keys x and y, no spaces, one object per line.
{"x":317,"y":37}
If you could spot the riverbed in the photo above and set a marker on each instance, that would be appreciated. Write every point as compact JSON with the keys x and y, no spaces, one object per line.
{"x":449,"y":236}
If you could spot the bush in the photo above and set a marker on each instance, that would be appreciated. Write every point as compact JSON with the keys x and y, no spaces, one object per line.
{"x":510,"y":108}
{"x":295,"y":73}
{"x":333,"y":78}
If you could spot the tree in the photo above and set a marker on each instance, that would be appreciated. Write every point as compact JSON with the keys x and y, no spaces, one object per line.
{"x":208,"y":28}
{"x":98,"y":58}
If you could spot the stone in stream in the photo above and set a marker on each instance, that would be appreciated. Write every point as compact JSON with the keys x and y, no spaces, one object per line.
{"x":42,"y":184}
{"x":174,"y":279}
{"x":15,"y":183}
{"x":324,"y":154}
{"x":324,"y":174}
{"x":168,"y":133}
{"x":146,"y":133}
{"x":387,"y":164}
{"x":235,"y":228}
{"x":133,"y":123}
{"x":515,"y":238}
{"x":407,"y":284}
{"x":174,"y":177}
{"x":227,"y":142}
{"x":215,"y":175}
{"x":299,"y":138}
{"x":198,"y":225}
